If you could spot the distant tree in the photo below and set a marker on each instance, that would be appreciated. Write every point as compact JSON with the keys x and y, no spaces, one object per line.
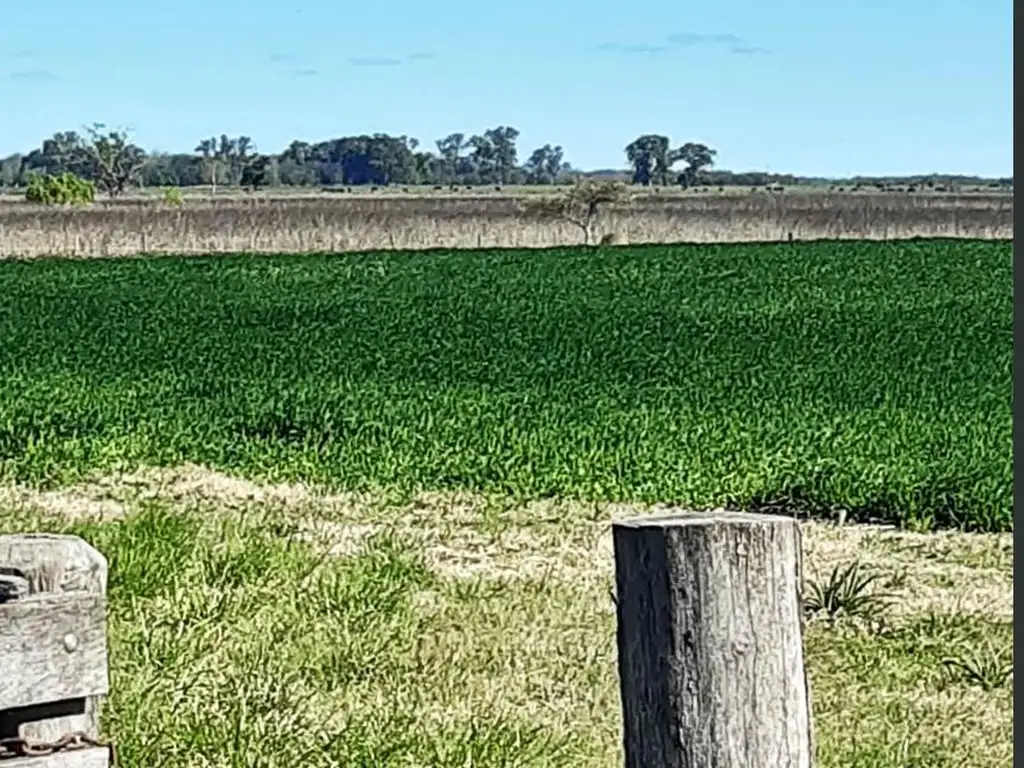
{"x":62,"y":153}
{"x":255,"y":172}
{"x":172,"y":169}
{"x":207,"y":148}
{"x":482,"y":158}
{"x":450,"y":149}
{"x":299,"y":151}
{"x":238,"y":156}
{"x":389,"y":159}
{"x":503,"y":153}
{"x":111,"y":159}
{"x":427,"y":167}
{"x":545,"y":165}
{"x":697,"y":157}
{"x":225,"y":158}
{"x":295,"y":166}
{"x":652,"y":159}
{"x":649,"y":156}
{"x":379,"y":160}
{"x":10,"y":170}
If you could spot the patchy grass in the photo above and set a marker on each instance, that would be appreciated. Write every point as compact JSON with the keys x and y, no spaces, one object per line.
{"x":273,"y":626}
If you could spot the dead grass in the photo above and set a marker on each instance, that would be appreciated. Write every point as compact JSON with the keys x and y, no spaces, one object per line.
{"x":278,"y":624}
{"x":362,"y":222}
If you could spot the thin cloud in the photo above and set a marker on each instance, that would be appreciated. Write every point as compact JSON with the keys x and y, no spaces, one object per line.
{"x":34,"y":76}
{"x":24,"y":53}
{"x":734,"y":43}
{"x":696,"y":38}
{"x":421,"y":56}
{"x":291,"y":65}
{"x":374,"y":61}
{"x":641,"y":48}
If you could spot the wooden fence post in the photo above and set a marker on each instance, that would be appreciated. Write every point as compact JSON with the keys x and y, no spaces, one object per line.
{"x":710,"y":643}
{"x":53,"y":652}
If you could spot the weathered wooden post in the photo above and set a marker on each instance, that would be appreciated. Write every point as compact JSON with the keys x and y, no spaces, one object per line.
{"x":710,"y":641}
{"x":53,"y":652}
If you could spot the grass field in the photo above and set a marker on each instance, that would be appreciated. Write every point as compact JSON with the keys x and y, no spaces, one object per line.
{"x":392,"y":220}
{"x":871,"y":380}
{"x":356,"y":507}
{"x":273,"y":626}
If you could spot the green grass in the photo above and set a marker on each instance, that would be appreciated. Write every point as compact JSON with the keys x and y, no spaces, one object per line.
{"x":236,"y":640}
{"x":869,"y":377}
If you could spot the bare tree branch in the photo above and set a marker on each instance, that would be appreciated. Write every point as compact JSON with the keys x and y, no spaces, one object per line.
{"x":580,"y":204}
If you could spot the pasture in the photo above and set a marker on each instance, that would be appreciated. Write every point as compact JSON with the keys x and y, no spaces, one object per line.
{"x":356,"y":506}
{"x":278,"y":626}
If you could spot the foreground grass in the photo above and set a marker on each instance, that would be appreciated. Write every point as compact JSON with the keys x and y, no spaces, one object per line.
{"x":871,"y":379}
{"x":277,"y":627}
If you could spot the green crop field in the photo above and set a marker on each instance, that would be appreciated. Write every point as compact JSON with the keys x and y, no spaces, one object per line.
{"x":868,"y":377}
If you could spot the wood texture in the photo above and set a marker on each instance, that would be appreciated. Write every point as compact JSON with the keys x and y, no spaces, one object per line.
{"x":53,"y":563}
{"x":52,"y":649}
{"x":93,"y":757}
{"x":47,"y":690}
{"x":710,"y":642}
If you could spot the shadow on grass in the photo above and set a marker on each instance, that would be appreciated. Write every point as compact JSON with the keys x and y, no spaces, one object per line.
{"x":955,"y":503}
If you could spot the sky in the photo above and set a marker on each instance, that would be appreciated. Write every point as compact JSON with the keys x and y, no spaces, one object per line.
{"x":868,"y":87}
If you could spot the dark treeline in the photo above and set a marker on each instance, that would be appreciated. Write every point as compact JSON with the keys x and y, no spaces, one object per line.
{"x":110,"y":159}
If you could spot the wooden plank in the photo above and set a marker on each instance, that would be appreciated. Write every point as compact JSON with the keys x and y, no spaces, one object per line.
{"x":48,"y":566}
{"x":91,"y":757}
{"x":711,"y":663}
{"x":52,"y":649}
{"x":54,"y":563}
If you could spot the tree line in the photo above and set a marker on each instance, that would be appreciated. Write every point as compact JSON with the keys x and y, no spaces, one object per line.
{"x":110,"y":160}
{"x":114,"y":163}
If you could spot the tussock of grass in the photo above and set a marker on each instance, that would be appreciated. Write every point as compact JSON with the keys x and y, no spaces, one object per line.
{"x":865,"y":379}
{"x":847,"y":592}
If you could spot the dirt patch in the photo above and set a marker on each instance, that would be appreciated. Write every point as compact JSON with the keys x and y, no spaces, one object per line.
{"x":72,"y":503}
{"x":943,"y":572}
{"x":188,"y":486}
{"x":467,"y":536}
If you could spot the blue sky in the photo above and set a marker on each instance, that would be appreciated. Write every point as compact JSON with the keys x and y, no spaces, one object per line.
{"x":791,"y":86}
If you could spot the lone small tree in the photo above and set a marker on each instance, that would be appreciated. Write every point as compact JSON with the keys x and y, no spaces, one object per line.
{"x":580,"y":204}
{"x":112,"y":160}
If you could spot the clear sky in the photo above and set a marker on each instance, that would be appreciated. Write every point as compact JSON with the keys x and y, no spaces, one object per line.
{"x":789,"y":86}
